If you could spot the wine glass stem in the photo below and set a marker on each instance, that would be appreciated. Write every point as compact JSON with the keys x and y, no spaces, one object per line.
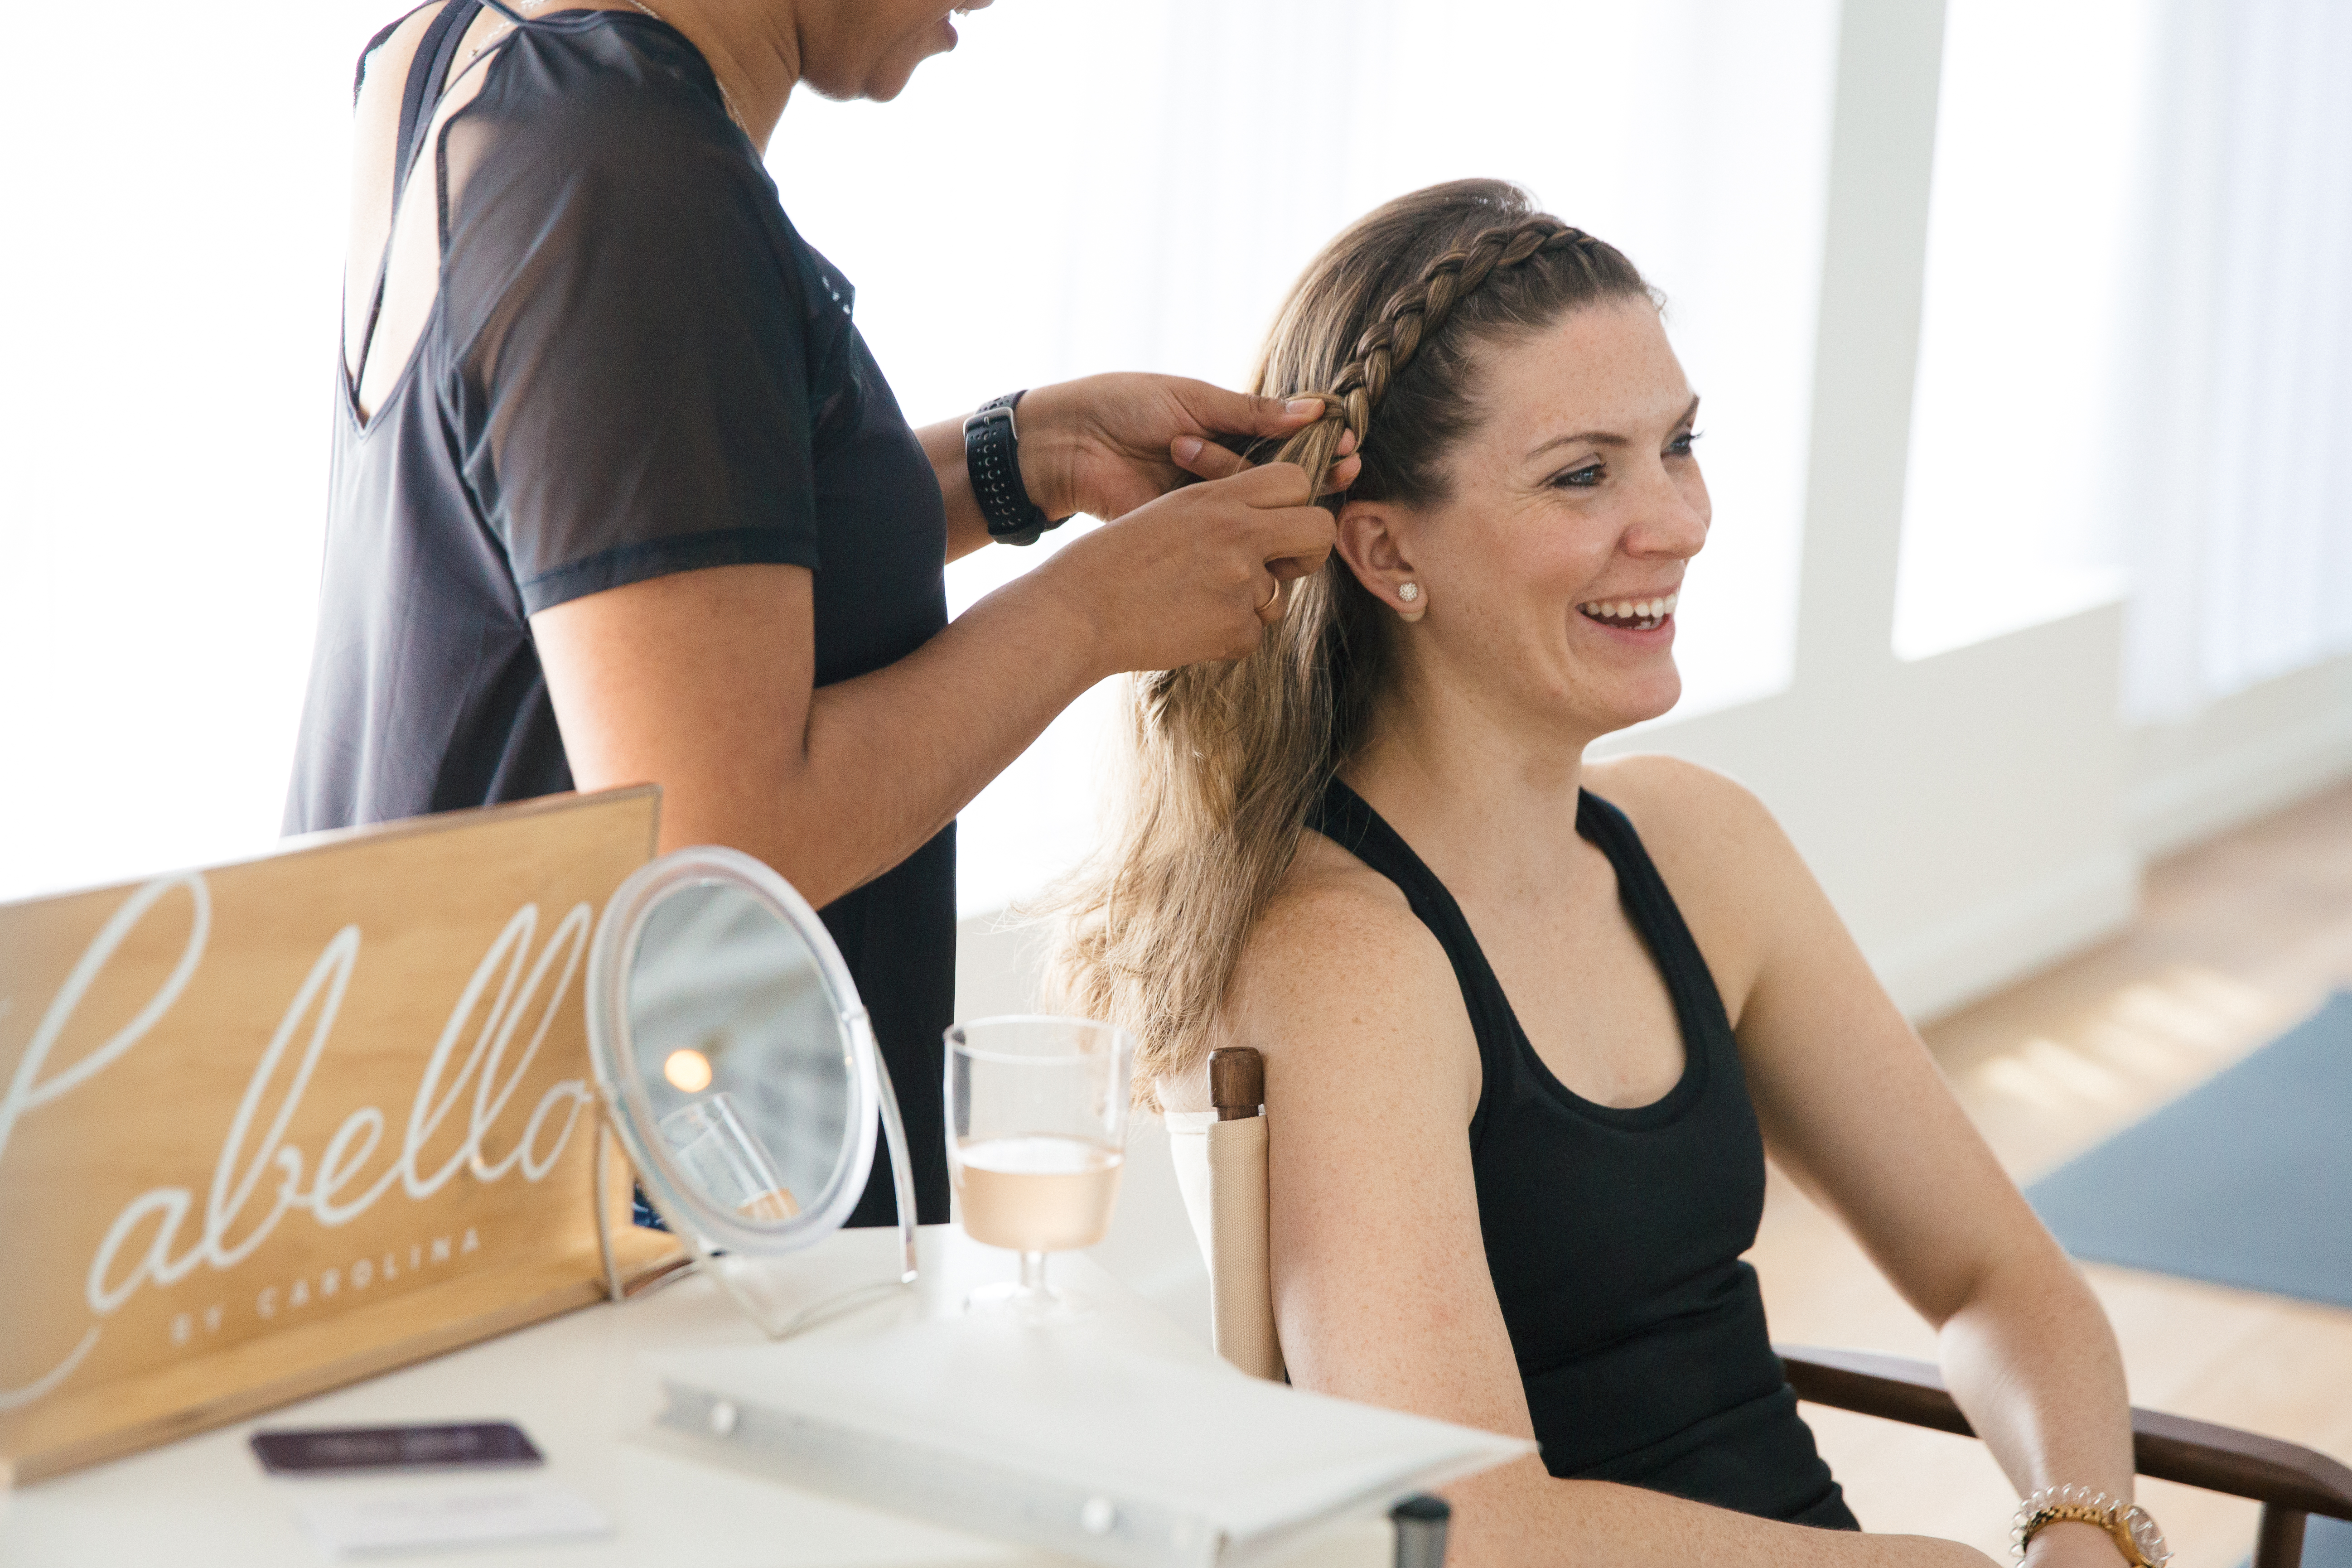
{"x":1033,"y":1273}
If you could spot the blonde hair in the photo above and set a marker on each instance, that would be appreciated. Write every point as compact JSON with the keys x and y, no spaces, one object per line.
{"x":1385,"y":326}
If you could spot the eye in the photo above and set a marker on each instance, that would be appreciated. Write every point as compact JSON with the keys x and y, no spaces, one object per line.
{"x":1680,"y":447}
{"x":1583,"y":479}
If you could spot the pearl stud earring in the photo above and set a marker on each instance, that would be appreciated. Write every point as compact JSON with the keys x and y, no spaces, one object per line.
{"x":1408,"y":592}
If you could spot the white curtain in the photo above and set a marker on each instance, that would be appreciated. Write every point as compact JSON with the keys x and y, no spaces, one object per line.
{"x":2239,"y":523}
{"x":2135,"y":356}
{"x":1086,"y":186}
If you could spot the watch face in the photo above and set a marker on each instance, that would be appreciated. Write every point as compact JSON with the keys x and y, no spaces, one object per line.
{"x":2146,"y":1536}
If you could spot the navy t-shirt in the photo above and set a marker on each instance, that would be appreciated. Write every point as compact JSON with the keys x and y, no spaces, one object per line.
{"x":634,"y":367}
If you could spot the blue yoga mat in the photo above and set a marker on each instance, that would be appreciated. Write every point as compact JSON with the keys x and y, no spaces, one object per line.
{"x":2244,"y":1180}
{"x":2327,"y":1543}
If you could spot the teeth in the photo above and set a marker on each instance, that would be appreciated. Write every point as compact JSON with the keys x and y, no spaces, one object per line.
{"x":1649,"y":612}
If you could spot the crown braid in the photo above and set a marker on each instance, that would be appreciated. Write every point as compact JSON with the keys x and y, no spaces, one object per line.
{"x":1412,"y":316}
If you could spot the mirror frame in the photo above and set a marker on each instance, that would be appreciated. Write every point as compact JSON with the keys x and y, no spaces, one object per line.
{"x":612,"y":964}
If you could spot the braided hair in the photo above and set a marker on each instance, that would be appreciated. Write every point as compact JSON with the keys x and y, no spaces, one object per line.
{"x":1387,"y":327}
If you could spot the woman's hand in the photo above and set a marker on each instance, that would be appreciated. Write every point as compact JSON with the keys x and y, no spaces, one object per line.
{"x":1107,"y":444}
{"x":1192,"y":575}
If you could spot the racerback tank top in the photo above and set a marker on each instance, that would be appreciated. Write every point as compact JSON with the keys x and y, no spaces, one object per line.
{"x":1614,"y":1236}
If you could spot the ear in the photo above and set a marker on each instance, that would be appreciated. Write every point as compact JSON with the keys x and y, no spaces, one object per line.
{"x":1375,"y":540}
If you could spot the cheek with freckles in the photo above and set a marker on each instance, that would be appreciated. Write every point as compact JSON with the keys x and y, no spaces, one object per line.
{"x":1520,"y":623}
{"x":1508,"y":582}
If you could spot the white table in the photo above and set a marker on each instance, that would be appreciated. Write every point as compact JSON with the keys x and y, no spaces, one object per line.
{"x":576,"y":1386}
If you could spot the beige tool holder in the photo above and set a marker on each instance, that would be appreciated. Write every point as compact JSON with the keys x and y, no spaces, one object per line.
{"x":1221,"y":1167}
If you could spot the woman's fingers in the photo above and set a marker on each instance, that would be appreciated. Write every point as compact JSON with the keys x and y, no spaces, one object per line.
{"x":1225,"y":413}
{"x":1208,"y":461}
{"x":1170,"y":584}
{"x":1296,"y":531}
{"x":1270,"y":608}
{"x":1205,"y":459}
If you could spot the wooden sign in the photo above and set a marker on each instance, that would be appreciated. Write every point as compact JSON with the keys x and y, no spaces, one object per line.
{"x":278,"y":1125}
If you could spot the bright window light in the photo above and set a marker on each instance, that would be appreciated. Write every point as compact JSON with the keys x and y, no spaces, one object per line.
{"x":2006,"y":521}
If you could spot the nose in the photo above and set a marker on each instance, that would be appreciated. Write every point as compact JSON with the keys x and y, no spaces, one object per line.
{"x":1670,"y":517}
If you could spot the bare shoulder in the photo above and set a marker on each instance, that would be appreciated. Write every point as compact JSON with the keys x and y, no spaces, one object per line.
{"x":383,"y":62}
{"x":1732,"y":871}
{"x":1690,"y":816}
{"x":1340,"y":978}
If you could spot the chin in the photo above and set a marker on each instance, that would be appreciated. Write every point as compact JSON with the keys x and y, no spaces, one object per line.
{"x":891,"y":77}
{"x":1653,"y":698}
{"x":879,"y":80}
{"x":884,"y":88}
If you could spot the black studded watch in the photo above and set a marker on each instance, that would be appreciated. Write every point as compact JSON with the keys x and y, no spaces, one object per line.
{"x":991,"y":456}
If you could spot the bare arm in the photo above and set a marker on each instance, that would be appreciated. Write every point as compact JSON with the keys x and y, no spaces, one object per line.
{"x":1380,"y":1284}
{"x":703,"y":681}
{"x":1854,"y":1110}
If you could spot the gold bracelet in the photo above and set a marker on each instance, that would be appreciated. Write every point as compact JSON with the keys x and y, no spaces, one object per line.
{"x":2135,"y":1532}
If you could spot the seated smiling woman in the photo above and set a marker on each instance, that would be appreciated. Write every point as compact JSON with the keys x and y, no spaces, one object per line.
{"x":1531,"y":1027}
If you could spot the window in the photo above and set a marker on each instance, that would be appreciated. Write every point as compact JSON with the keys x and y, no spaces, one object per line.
{"x":2132,"y":354}
{"x":2007,"y":521}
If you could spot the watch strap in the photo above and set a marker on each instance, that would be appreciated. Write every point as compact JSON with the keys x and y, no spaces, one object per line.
{"x":991,"y":456}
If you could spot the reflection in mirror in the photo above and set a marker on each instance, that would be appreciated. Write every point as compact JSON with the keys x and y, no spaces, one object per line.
{"x":742,"y":1054}
{"x":721,"y":1156}
{"x":740,"y":1074}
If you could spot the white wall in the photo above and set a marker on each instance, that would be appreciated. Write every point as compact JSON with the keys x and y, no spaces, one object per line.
{"x":2248,"y":755}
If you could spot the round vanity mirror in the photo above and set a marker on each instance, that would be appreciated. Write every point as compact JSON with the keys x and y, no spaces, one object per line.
{"x":735,"y":1057}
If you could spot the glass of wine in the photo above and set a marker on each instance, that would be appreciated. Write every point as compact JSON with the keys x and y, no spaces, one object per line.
{"x":1037,"y":1111}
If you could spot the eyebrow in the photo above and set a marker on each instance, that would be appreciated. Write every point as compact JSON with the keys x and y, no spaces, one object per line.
{"x":1605,"y":437}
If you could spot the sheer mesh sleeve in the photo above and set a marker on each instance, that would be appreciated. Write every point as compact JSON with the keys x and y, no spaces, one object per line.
{"x":633,"y":344}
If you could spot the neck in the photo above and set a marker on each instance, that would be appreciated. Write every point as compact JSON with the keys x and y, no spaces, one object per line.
{"x":754,"y":51}
{"x":1468,"y":779}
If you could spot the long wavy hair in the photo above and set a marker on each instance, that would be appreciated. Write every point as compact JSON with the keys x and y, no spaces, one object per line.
{"x":1386,"y":326}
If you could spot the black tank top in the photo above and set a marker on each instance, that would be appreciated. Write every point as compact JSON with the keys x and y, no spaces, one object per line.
{"x":1614,"y":1236}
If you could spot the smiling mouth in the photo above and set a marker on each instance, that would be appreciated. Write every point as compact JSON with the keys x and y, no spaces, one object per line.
{"x":1631,"y":615}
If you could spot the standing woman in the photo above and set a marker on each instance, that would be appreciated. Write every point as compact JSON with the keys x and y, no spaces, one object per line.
{"x":619,"y":493}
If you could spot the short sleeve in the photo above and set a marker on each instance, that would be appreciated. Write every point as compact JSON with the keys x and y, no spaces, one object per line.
{"x":633,"y":356}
